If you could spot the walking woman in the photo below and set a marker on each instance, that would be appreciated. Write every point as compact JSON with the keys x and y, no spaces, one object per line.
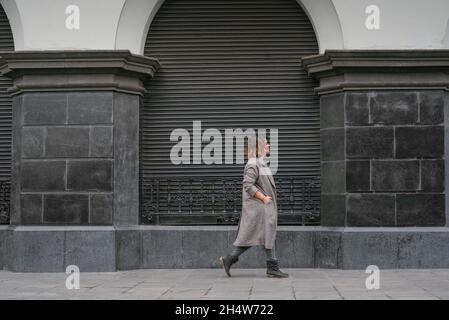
{"x":258,"y":222}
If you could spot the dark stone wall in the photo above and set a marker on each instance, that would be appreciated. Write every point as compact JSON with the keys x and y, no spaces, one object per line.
{"x":383,"y":158}
{"x":64,"y":156}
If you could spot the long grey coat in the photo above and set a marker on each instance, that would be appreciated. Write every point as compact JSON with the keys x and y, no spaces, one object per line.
{"x":258,"y":222}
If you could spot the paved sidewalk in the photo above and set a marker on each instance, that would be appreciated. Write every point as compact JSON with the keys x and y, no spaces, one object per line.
{"x":214,"y":284}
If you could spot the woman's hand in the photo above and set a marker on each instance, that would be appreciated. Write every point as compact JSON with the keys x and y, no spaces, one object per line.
{"x":267,"y":199}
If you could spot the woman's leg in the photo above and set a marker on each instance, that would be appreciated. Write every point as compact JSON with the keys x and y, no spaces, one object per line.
{"x":237,"y":251}
{"x":270,"y":254}
{"x":273,"y":265}
{"x":230,"y":259}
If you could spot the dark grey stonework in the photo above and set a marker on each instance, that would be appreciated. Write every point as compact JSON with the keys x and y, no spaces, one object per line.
{"x":33,"y":142}
{"x":432,"y":175}
{"x":129,"y":249}
{"x":73,"y":152}
{"x":332,"y":144}
{"x":47,"y":249}
{"x":395,"y":175}
{"x":126,"y":159}
{"x":334,"y":177}
{"x":357,"y":109}
{"x":358,"y":175}
{"x":37,"y":249}
{"x":43,"y":176}
{"x":3,"y":249}
{"x":332,"y":111}
{"x":31,"y":206}
{"x":392,"y":143}
{"x":366,"y":210}
{"x":420,"y":142}
{"x":89,"y":175}
{"x":76,"y":125}
{"x":91,"y":251}
{"x":431,"y":107}
{"x":101,"y":142}
{"x":361,"y":249}
{"x":45,"y":108}
{"x":66,"y":208}
{"x":420,"y":209}
{"x":304,"y":247}
{"x":101,"y":209}
{"x":333,"y":209}
{"x":394,"y":107}
{"x":369,"y":142}
{"x":67,"y":142}
{"x":96,"y":109}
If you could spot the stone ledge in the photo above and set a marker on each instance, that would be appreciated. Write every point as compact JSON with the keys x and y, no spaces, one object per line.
{"x":116,"y":70}
{"x":96,"y":248}
{"x":340,"y":70}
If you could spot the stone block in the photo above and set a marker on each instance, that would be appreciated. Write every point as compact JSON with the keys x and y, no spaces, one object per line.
{"x":423,"y":210}
{"x":357,"y":109}
{"x":332,"y":144}
{"x":333,"y":177}
{"x":297,"y":246}
{"x":89,"y":175}
{"x":101,"y":209}
{"x":394,"y":108}
{"x":129,"y":246}
{"x":101,"y":142}
{"x":421,"y":250}
{"x":126,"y":159}
{"x":358,"y":175}
{"x":31,"y":209}
{"x":332,"y":111}
{"x":363,"y":248}
{"x":431,"y":107}
{"x":327,"y":248}
{"x":420,"y":142}
{"x":66,"y":208}
{"x":32,"y":142}
{"x":370,"y":142}
{"x":67,"y":142}
{"x":370,"y":210}
{"x":333,"y":210}
{"x":91,"y":250}
{"x":44,"y":108}
{"x":162,"y":249}
{"x":43,"y":175}
{"x":432,"y":175}
{"x":395,"y":175}
{"x":38,"y":251}
{"x":90,"y":108}
{"x":196,"y":248}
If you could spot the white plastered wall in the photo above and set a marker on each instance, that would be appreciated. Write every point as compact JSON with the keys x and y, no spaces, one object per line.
{"x":123,"y":24}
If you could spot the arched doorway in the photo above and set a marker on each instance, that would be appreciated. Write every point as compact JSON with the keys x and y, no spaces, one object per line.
{"x":6,"y":44}
{"x":229,"y":64}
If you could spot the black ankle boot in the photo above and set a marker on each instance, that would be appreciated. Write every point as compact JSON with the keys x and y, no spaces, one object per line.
{"x":273,"y":270}
{"x":227,"y":262}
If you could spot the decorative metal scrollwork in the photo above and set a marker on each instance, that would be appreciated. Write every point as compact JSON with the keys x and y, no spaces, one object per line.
{"x":222,"y":197}
{"x":5,"y":191}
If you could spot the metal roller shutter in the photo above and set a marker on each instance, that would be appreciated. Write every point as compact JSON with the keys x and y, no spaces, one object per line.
{"x":229,"y":64}
{"x":6,"y":44}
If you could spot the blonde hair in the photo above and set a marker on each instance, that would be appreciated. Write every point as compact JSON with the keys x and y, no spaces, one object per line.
{"x":253,"y":149}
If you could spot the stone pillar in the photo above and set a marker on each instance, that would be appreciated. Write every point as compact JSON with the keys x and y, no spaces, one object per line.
{"x":382,"y":137}
{"x":75,"y":155}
